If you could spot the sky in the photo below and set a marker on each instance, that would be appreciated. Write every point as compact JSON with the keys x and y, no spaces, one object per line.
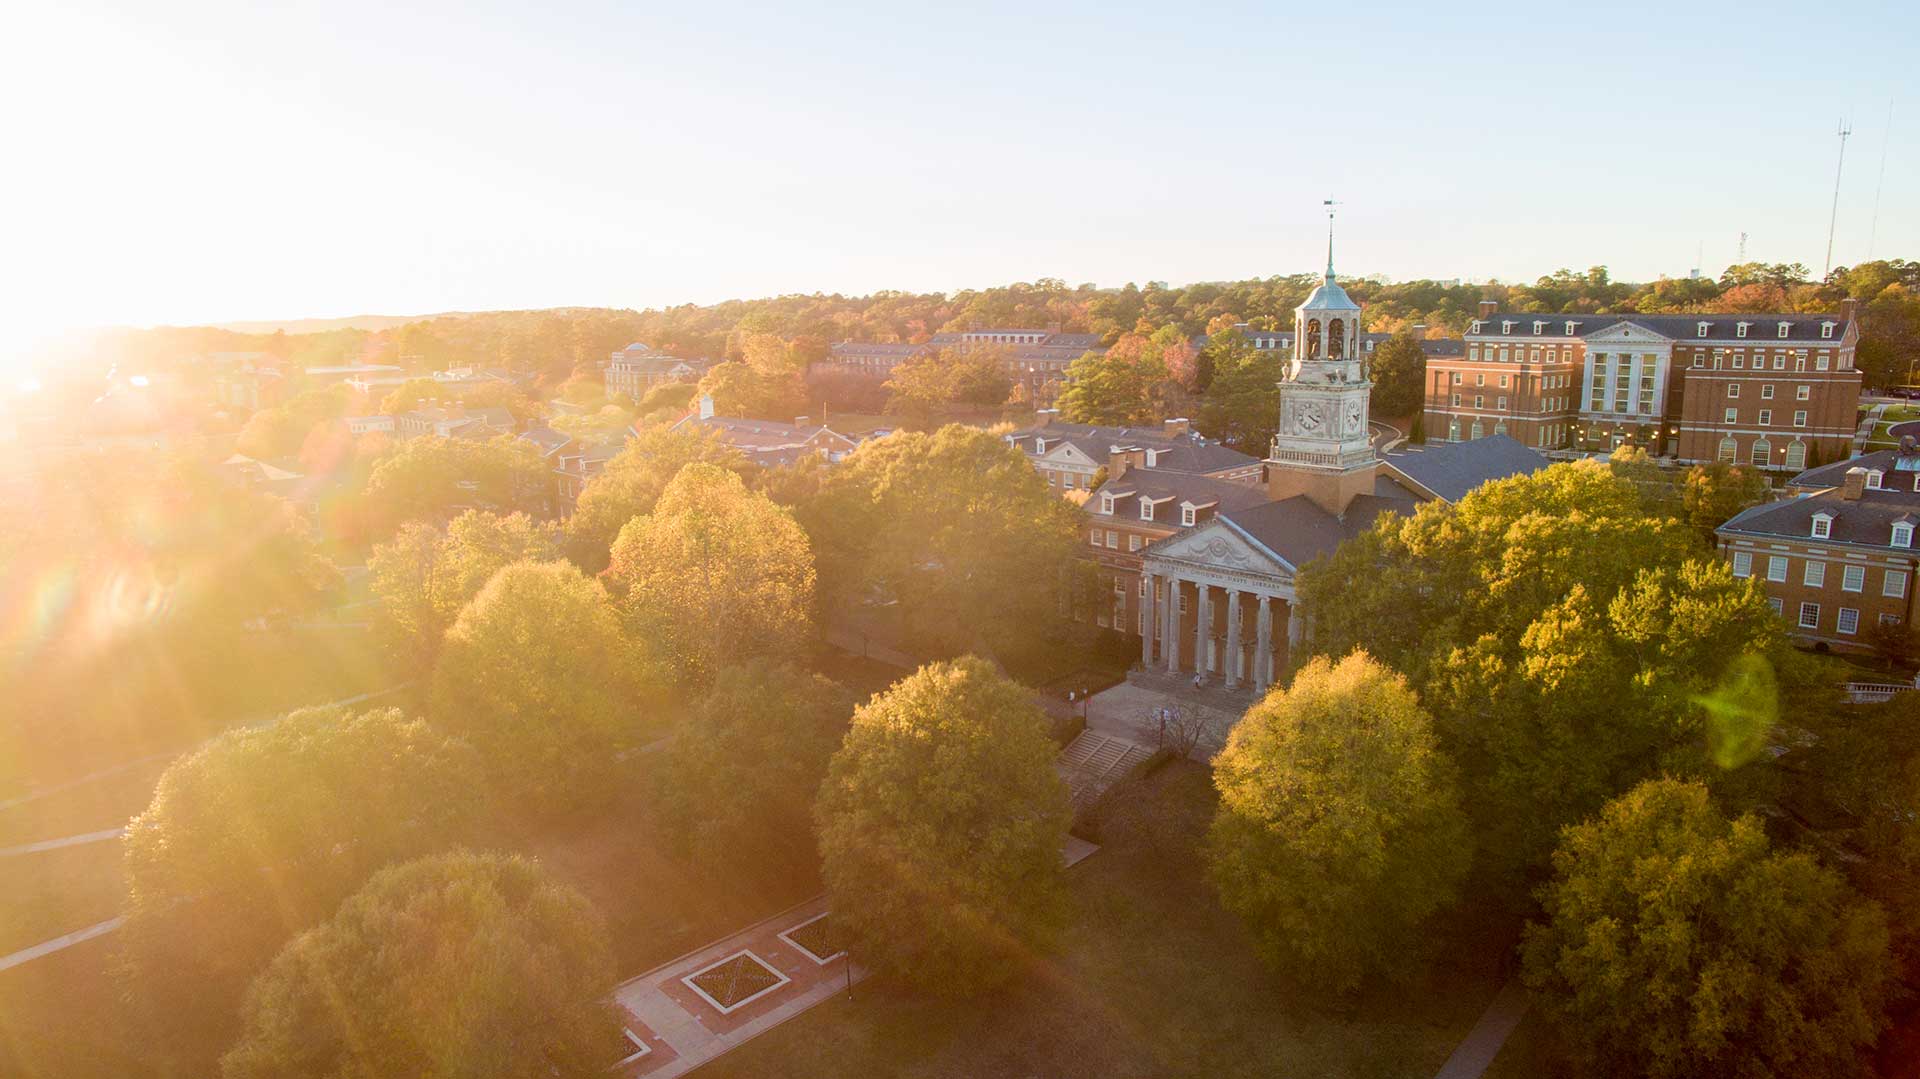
{"x":193,"y":162}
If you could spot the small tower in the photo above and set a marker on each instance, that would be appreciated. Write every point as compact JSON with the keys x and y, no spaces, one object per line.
{"x":1324,"y":449}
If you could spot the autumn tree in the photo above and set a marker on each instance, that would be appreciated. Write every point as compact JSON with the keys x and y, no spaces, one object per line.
{"x":1675,"y":942}
{"x":1399,"y":372}
{"x":1712,"y":494}
{"x":631,"y":483}
{"x":432,"y":479}
{"x":262,"y":831}
{"x":423,"y":576}
{"x":739,"y":779}
{"x":1339,"y":832}
{"x":537,"y":674}
{"x":479,"y":965}
{"x":716,"y":572}
{"x":1241,"y":406}
{"x":955,"y":532}
{"x":941,"y":822}
{"x":1123,"y":385}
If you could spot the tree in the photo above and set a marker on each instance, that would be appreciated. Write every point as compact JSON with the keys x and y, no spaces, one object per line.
{"x":631,"y":483}
{"x":1399,"y":371}
{"x":431,"y":479}
{"x":1339,"y":832}
{"x":668,"y":397}
{"x":262,"y":831}
{"x":423,"y":577}
{"x":717,"y":572}
{"x":1712,"y":494}
{"x":955,"y":532}
{"x":941,"y":823}
{"x":1242,"y":403}
{"x":537,"y":675}
{"x":1120,"y":386}
{"x":1675,"y":943}
{"x":471,"y":965}
{"x":739,"y":780}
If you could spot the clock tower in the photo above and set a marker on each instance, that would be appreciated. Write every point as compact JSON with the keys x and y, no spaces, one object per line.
{"x":1324,"y":449}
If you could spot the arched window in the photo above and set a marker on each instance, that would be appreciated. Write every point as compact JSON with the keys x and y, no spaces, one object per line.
{"x":1500,"y":427}
{"x":1313,"y":339}
{"x":1729,"y":450}
{"x":1477,"y":430}
{"x":1336,"y":339}
{"x":1762,"y":455}
{"x":1796,"y":455}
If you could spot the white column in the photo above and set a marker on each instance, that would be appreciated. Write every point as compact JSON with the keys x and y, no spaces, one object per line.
{"x":1263,"y":646}
{"x":1170,"y":636}
{"x":1232,"y":664}
{"x":1146,"y":619}
{"x":1295,"y":629}
{"x":1202,"y":616}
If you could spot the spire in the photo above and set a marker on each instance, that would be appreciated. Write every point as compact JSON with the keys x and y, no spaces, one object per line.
{"x":1329,"y":204}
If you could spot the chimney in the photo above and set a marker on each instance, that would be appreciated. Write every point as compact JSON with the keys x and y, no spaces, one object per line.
{"x":1045,"y":416}
{"x":1854,"y":485}
{"x":1053,"y":328}
{"x":706,"y":406}
{"x":1177,"y":426}
{"x":801,"y":421}
{"x":1849,"y":309}
{"x":1122,"y":458}
{"x":1488,"y":307}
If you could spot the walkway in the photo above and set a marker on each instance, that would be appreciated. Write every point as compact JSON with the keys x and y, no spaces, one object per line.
{"x":65,"y":841}
{"x":48,"y":947}
{"x":1127,"y":712}
{"x":1094,"y":762}
{"x":1476,"y":1051}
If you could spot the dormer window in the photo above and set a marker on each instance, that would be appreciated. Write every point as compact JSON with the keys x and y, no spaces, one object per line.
{"x":1570,"y":325}
{"x":1186,"y":513}
{"x":1539,"y":327}
{"x":1106,"y":504}
{"x":1826,"y":329}
{"x":1039,"y":445}
{"x":1475,"y":328}
{"x":1701,"y":329}
{"x":1153,"y":458}
{"x":1822,"y":526}
{"x":1506,"y":325}
{"x":1873,"y":479}
{"x":1740,"y":328}
{"x":1903,"y":535}
{"x":1784,"y":327}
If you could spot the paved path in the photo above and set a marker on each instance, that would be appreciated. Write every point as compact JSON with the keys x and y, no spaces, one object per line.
{"x":65,"y":841}
{"x":48,"y":947}
{"x":1126,"y":711}
{"x":1476,"y":1051}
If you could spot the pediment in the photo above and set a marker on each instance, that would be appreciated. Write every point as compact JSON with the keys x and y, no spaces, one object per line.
{"x":1628,"y":330}
{"x":1216,"y":544}
{"x":1067,"y":453}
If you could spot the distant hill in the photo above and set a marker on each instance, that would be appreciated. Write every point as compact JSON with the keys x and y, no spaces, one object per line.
{"x":364,"y":322}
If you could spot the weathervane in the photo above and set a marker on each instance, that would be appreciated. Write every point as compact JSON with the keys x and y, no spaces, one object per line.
{"x":1329,"y":204}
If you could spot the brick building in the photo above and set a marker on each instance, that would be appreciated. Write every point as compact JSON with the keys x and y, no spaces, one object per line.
{"x":1034,"y":358}
{"x":1839,"y":560}
{"x":1778,"y":391}
{"x":1070,"y":454}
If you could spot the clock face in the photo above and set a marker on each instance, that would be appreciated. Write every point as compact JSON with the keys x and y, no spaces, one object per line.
{"x":1311,"y":418}
{"x":1354,"y":410}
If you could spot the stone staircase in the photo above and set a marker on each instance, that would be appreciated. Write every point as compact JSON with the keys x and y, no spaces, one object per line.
{"x":1095,"y":762}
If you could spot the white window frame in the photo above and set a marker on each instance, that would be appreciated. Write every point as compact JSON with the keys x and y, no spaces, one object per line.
{"x":1894,"y":584}
{"x":1853,"y":579}
{"x":1822,"y":526}
{"x":1815,"y":575}
{"x":1743,"y":563}
{"x":1846,"y":621}
{"x":1809,"y":615}
{"x":1777,"y":568}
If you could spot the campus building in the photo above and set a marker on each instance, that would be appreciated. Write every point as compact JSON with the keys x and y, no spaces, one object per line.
{"x":1202,"y":568}
{"x":636,"y":369}
{"x":1776,"y":391}
{"x":1034,"y":358}
{"x":1839,"y":558}
{"x":1070,"y":455}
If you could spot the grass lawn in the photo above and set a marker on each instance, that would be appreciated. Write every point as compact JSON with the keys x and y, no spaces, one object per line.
{"x":1152,"y":979}
{"x":58,"y":891}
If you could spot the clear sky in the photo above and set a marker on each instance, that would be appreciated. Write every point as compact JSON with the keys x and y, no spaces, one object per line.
{"x":189,"y":161}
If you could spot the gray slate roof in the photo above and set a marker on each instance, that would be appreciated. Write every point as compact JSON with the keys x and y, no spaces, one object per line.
{"x":1298,"y":530}
{"x":1451,"y":469}
{"x":1888,"y":461}
{"x":1762,"y":328}
{"x":1178,"y":487}
{"x":1867,"y":521}
{"x":1177,"y":453}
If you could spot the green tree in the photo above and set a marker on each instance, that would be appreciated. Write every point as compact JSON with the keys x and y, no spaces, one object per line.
{"x":1399,"y":372}
{"x":1120,"y":386}
{"x":717,"y":572}
{"x":1675,"y":943}
{"x":631,"y":483}
{"x":672,"y":398}
{"x":1712,"y":494}
{"x":740,"y":778}
{"x":1241,"y":406}
{"x":941,"y":823}
{"x":262,"y":831}
{"x":432,"y":479}
{"x":952,"y":530}
{"x":464,"y":965}
{"x":538,"y":676}
{"x":1339,"y":832}
{"x":423,"y":577}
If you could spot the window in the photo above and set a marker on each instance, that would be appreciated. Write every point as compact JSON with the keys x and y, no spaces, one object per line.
{"x":1739,"y":361}
{"x":1479,"y":378}
{"x":1853,"y":578}
{"x":1479,"y":400}
{"x":1796,"y":455}
{"x":1740,"y":329}
{"x":1733,"y":389}
{"x":1766,"y":392}
{"x":1095,"y":538}
{"x":1456,"y":400}
{"x":1729,"y":449}
{"x":1780,"y":363}
{"x":1776,"y":568}
{"x":1506,"y":325}
{"x":1784,"y":327}
{"x":1802,"y":393}
{"x":1766,"y":417}
{"x":1889,"y":619}
{"x":1113,"y":540}
{"x":1503,"y":382}
{"x":1457,"y":376}
{"x":1895,"y":585}
{"x":1500,"y":403}
{"x":1826,"y":329}
{"x":1903,"y":535}
{"x":1800,"y":418}
{"x":1477,"y":430}
{"x":1143,"y":584}
{"x":1133,"y":541}
{"x":1699,"y":359}
{"x":1874,"y":476}
{"x":1822,"y":526}
{"x":1847,"y":620}
{"x":1816,"y":575}
{"x":1762,"y":452}
{"x":1701,"y":330}
{"x":1733,"y":414}
{"x":1820,"y":362}
{"x":1742,"y":563}
{"x":1539,"y":327}
{"x":1106,"y":504}
{"x":1774,"y":602}
{"x":1473,"y":353}
{"x":1809,"y":616}
{"x":1186,"y":515}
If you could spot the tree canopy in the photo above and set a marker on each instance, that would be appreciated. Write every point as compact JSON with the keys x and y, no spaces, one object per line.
{"x":717,"y":572}
{"x":432,"y":479}
{"x":1674,"y":942}
{"x":1339,"y":832}
{"x":632,"y":482}
{"x":1399,"y":372}
{"x":537,"y":674}
{"x":423,"y":576}
{"x":458,"y":966}
{"x":262,"y":831}
{"x":941,"y":823}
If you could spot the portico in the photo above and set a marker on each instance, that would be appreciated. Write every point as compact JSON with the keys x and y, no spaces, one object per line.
{"x":1218,"y":604}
